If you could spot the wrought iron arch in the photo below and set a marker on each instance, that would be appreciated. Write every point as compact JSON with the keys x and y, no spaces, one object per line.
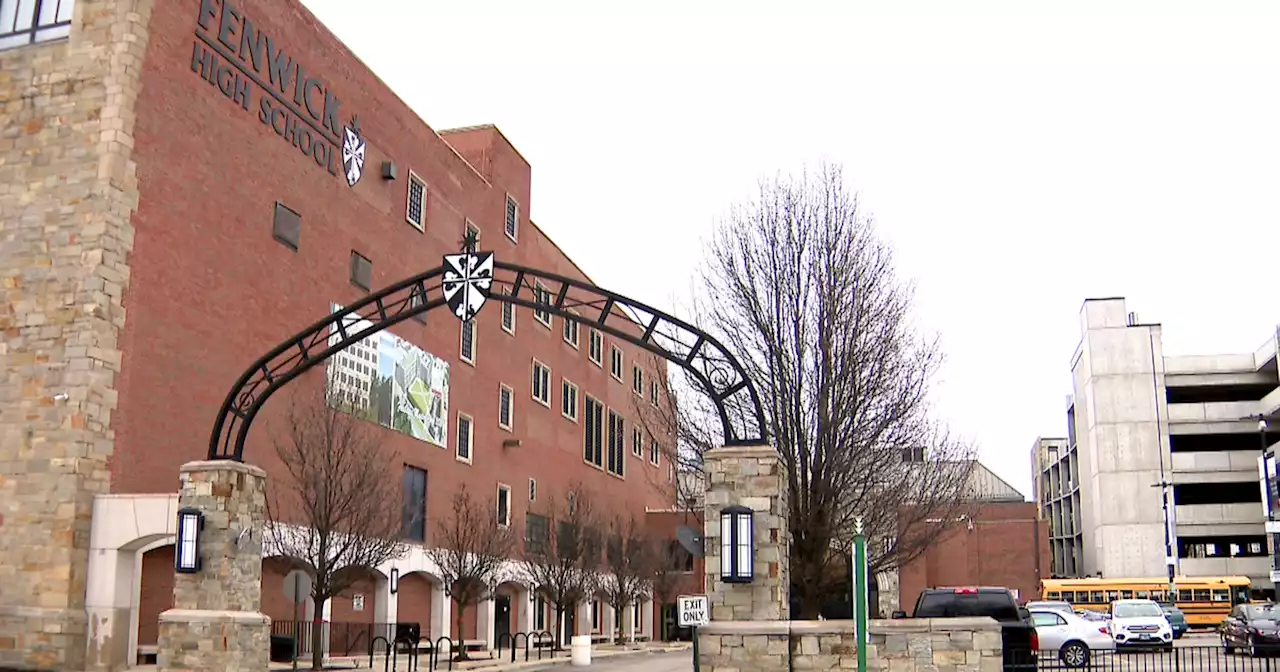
{"x":715,"y":369}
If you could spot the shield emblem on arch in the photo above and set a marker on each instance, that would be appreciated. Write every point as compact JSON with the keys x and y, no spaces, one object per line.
{"x":353,"y":147}
{"x":467,"y":279}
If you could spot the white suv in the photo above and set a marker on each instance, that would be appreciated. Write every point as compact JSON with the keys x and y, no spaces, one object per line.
{"x":1140,"y":623}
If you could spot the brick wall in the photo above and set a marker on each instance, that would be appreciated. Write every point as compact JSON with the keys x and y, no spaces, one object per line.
{"x":67,"y":191}
{"x":1001,"y":549}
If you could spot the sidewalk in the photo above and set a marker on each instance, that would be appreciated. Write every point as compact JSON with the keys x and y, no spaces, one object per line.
{"x":598,"y":652}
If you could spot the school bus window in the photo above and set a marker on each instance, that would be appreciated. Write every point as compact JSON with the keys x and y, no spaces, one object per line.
{"x":1200,"y":595}
{"x":1184,"y":596}
{"x":1052,"y":595}
{"x":1113,"y":595}
{"x":1126,"y":594}
{"x":1095,"y":597}
{"x":1221,"y":596}
{"x":1145,"y":595}
{"x":1069,"y":596}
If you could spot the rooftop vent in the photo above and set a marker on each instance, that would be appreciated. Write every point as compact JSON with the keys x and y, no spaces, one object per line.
{"x":1133,"y":319}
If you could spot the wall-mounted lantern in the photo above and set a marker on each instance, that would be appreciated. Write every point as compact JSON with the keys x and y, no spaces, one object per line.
{"x":737,"y":546}
{"x":394,"y":580}
{"x":187,"y":558}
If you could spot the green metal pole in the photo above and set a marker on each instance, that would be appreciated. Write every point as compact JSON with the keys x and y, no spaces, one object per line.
{"x":696,"y":667}
{"x":860,"y":590}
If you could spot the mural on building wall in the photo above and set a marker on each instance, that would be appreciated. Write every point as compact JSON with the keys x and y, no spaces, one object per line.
{"x":390,"y":381}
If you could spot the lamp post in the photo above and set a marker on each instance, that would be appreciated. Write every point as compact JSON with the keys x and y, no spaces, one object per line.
{"x":1267,"y":457}
{"x":1169,"y":559}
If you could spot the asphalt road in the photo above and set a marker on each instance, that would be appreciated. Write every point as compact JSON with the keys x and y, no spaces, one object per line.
{"x":679,"y":661}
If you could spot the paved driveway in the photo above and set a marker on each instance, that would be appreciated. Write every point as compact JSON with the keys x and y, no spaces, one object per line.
{"x":679,"y":661}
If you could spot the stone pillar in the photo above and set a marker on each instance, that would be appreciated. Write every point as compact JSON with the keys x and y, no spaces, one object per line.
{"x":441,"y":612}
{"x":754,"y":477}
{"x":216,"y":622}
{"x":68,"y":190}
{"x":628,"y":624}
{"x":484,"y":621}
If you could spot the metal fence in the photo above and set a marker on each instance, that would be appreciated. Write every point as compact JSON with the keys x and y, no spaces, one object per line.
{"x":340,"y":639}
{"x":1265,"y":658}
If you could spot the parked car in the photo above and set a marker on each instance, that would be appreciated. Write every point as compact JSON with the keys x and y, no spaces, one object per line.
{"x":1018,"y":635}
{"x":1072,"y":637}
{"x":1177,"y":620}
{"x":1050,"y":605}
{"x":1140,"y":623}
{"x":1091,"y":615}
{"x":1253,"y":627}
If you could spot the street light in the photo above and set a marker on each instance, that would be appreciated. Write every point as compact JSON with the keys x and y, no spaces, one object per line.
{"x":1169,"y":559}
{"x":1266,"y":477}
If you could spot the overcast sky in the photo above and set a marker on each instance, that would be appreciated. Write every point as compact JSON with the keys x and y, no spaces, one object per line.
{"x":1019,"y":159}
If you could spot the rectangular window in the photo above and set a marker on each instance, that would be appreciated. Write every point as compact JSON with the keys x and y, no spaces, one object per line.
{"x":472,"y":229}
{"x":595,"y":347}
{"x":513,"y":219}
{"x":286,"y":225}
{"x":617,"y":444}
{"x":415,"y":211}
{"x":595,"y":615}
{"x":593,"y":431}
{"x":24,"y":22}
{"x":467,"y":351}
{"x":569,"y":400}
{"x":414,"y":516}
{"x":504,"y":505}
{"x":637,"y":442}
{"x":637,"y":380}
{"x":535,"y":532}
{"x":541,"y":296}
{"x":541,"y":384}
{"x":508,"y":316}
{"x":533,"y":490}
{"x":540,"y":614}
{"x":464,"y":437}
{"x":615,"y":362}
{"x":361,"y":271}
{"x":504,"y":407}
{"x":653,"y":452}
{"x":571,"y":332}
{"x":653,"y":393}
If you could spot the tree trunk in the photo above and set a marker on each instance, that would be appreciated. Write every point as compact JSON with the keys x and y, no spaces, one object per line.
{"x":317,"y":634}
{"x":462,"y":639}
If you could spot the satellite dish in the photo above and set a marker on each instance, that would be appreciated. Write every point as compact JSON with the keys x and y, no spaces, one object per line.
{"x":691,"y":539}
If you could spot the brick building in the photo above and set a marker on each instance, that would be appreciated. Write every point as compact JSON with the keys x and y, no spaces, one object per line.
{"x":1000,"y":541}
{"x":175,"y":203}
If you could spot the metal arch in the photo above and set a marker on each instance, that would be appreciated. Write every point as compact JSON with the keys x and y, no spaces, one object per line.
{"x":717,"y":371}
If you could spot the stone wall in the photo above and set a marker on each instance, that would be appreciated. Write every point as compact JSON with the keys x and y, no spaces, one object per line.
{"x":67,"y":194}
{"x":925,"y":645}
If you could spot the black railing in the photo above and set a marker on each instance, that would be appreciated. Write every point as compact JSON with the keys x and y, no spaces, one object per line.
{"x":36,"y":21}
{"x":1256,"y":657}
{"x":532,"y":640}
{"x":340,"y":639}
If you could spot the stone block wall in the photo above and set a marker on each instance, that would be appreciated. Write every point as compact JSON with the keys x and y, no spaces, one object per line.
{"x":67,"y":194}
{"x":925,"y":645}
{"x":754,"y":477}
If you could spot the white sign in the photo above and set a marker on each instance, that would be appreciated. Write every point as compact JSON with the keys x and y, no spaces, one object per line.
{"x":694,"y":610}
{"x":1273,"y":527}
{"x":1275,"y":576}
{"x":357,"y":602}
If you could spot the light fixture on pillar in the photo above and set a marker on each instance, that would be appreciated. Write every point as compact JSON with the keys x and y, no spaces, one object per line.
{"x":187,"y":558}
{"x":737,"y":547}
{"x":394,"y":580}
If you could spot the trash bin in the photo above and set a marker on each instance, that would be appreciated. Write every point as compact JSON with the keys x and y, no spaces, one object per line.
{"x":580,"y":651}
{"x":282,"y":648}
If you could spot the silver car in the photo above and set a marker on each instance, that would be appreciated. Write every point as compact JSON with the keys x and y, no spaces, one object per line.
{"x":1072,"y":637}
{"x":1051,"y":605}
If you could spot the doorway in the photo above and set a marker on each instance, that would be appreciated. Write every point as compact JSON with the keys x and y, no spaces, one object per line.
{"x":501,"y":617}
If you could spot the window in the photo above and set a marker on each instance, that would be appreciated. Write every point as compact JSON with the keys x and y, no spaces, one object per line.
{"x":513,"y":219}
{"x":615,"y":362}
{"x":637,"y":380}
{"x":1047,"y":619}
{"x":653,"y":392}
{"x":541,"y":296}
{"x":504,"y":505}
{"x":286,"y":226}
{"x":415,"y":210}
{"x":472,"y":229}
{"x":571,"y":332}
{"x":504,"y":407}
{"x":533,"y":490}
{"x":467,"y":351}
{"x":541,"y":384}
{"x":414,"y":517}
{"x":569,"y":400}
{"x":595,"y":347}
{"x":593,"y":431}
{"x":508,"y":316}
{"x":653,"y":452}
{"x":535,"y":532}
{"x":31,"y":22}
{"x":637,"y":442}
{"x":361,"y":271}
{"x":617,"y":446}
{"x":540,"y":614}
{"x":595,"y":615}
{"x":915,"y":454}
{"x":464,"y":437}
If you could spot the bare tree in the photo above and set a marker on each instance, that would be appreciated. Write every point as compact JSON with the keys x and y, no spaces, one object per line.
{"x":469,"y":548}
{"x":627,"y":568}
{"x":338,"y":508}
{"x":798,"y":285}
{"x":669,"y":571}
{"x":562,"y":551}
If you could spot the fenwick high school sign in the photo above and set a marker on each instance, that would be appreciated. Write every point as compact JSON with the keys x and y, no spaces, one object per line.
{"x":237,"y":58}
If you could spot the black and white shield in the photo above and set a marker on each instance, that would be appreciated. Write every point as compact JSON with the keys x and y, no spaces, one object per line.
{"x":467,"y":279}
{"x":352,"y":154}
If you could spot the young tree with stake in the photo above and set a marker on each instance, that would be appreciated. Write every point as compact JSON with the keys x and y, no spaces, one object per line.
{"x":562,"y":552}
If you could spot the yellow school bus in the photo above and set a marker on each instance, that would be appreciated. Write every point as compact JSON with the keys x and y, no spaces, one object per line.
{"x":1205,"y":600}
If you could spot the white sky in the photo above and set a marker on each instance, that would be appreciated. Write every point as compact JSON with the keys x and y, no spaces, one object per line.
{"x":1021,"y":156}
